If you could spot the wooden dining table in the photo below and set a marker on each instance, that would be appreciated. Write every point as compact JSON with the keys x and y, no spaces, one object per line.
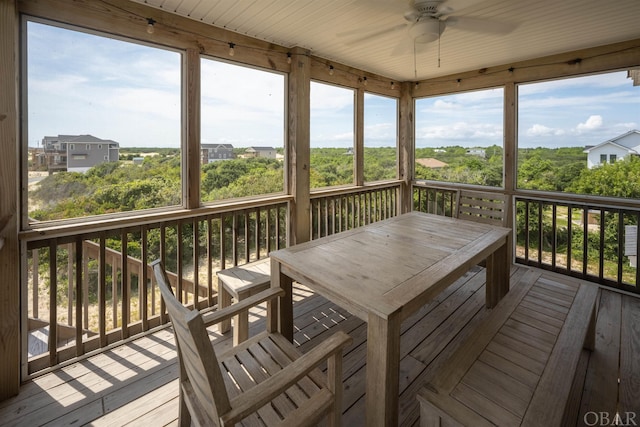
{"x":382,"y":273}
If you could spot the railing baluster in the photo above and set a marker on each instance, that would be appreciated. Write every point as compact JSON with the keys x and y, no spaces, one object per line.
{"x":585,"y":239}
{"x":278,"y":228}
{"x":234,"y":241}
{"x":164,"y":317}
{"x":143,"y":277}
{"x":540,"y":232}
{"x":223,"y":243}
{"x":569,"y":238}
{"x":79,"y":296}
{"x":114,"y":291}
{"x":257,"y":233}
{"x":554,"y":234}
{"x":53,"y":303}
{"x":247,"y":245}
{"x":209,"y":261}
{"x":195,"y":224}
{"x":35,"y":262}
{"x":620,"y":239}
{"x":102,"y":291}
{"x":526,"y":230}
{"x":70,"y":277}
{"x":601,"y":252}
{"x":126,"y":305}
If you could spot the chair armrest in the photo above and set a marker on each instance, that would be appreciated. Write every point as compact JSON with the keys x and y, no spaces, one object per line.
{"x":261,"y":394}
{"x":213,"y":317}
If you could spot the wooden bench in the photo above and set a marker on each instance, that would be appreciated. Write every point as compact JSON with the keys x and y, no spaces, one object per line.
{"x":241,"y":282}
{"x":519,"y":366}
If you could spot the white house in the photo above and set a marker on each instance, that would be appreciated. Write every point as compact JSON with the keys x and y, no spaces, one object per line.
{"x":479,"y":152}
{"x":627,"y":144}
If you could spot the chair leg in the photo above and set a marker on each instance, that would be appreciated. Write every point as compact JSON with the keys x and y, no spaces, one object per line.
{"x":334,"y":383}
{"x":184,"y":417}
{"x":241,"y":328}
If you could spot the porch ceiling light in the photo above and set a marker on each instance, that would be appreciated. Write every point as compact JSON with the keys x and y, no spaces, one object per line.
{"x":150,"y":27}
{"x":425,"y":31}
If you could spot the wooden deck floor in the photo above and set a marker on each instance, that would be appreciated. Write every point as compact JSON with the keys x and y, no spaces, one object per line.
{"x":136,"y":383}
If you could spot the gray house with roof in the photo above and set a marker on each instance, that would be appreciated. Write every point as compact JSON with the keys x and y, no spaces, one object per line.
{"x":78,"y":153}
{"x":214,"y":152}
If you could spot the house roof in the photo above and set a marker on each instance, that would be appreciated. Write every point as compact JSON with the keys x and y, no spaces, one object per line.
{"x":216,"y":145}
{"x":260,"y":149}
{"x":432,"y":163}
{"x":79,"y":139}
{"x":612,"y":141}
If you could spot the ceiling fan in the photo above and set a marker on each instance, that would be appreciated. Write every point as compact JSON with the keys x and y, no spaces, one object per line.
{"x":426,"y":21}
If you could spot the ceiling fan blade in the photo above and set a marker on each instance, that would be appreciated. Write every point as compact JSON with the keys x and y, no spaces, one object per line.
{"x":458,"y":6}
{"x":404,"y":47}
{"x":480,"y":25}
{"x":370,"y":35}
{"x":387,"y":5}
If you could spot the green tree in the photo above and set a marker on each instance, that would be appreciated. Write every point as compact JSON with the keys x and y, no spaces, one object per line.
{"x":618,"y":179}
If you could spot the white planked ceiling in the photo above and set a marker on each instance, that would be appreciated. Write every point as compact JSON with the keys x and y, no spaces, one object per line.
{"x":541,"y":27}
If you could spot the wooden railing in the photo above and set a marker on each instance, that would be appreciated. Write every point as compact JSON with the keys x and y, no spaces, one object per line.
{"x":78,"y":279}
{"x":79,"y":282}
{"x":586,"y":239}
{"x":434,"y":199}
{"x":338,"y":210}
{"x":592,"y":238}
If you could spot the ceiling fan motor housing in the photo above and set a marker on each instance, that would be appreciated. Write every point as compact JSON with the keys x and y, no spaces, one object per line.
{"x":427,"y":7}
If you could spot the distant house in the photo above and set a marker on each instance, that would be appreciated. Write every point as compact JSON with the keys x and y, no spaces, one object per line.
{"x":78,"y":153}
{"x":476,"y":152}
{"x":620,"y":147}
{"x":431,"y":163}
{"x":266,"y":152}
{"x":631,"y":244}
{"x":214,"y":152}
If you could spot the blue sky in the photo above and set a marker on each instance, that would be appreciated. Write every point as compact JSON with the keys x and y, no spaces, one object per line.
{"x":130,"y":93}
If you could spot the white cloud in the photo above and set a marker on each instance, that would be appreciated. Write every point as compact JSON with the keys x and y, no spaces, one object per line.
{"x":542,"y":130}
{"x":445,"y":105}
{"x":463,"y":132}
{"x":593,"y":122}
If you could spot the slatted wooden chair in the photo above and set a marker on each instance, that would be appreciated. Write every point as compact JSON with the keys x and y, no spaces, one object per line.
{"x":485,"y":207}
{"x":263,"y":381}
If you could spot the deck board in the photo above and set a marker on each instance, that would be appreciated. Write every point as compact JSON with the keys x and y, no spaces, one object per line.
{"x":136,"y":383}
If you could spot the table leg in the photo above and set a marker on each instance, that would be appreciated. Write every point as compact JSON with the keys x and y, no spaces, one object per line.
{"x":225,"y":301}
{"x":498,"y":270}
{"x":280,"y":311}
{"x":383,"y":370}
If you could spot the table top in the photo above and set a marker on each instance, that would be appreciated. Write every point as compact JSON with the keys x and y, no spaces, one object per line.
{"x":392,"y":266}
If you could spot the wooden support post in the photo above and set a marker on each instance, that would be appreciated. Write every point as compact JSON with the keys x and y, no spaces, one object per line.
{"x":191,"y":116}
{"x":298,"y":146}
{"x":358,"y":131}
{"x":9,"y":254}
{"x":406,"y":146}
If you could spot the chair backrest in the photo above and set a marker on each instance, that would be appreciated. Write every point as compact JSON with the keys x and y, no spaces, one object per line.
{"x":200,"y":376}
{"x":485,"y":207}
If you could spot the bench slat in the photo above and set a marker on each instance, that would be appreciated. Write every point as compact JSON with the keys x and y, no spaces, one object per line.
{"x":550,"y":399}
